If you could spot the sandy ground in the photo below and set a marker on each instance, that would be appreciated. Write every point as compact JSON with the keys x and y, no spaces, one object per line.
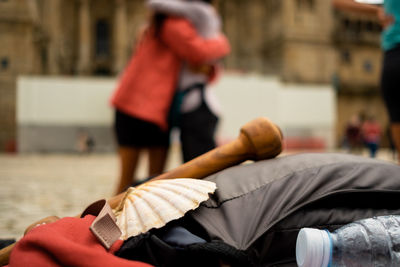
{"x":36,"y":186}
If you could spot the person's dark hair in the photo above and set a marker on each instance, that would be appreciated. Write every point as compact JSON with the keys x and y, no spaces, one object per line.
{"x":158,"y":21}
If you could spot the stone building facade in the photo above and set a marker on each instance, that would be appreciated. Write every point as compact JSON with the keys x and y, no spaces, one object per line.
{"x":307,"y":41}
{"x":302,"y":41}
{"x":61,"y":37}
{"x":291,"y":38}
{"x":356,"y":39}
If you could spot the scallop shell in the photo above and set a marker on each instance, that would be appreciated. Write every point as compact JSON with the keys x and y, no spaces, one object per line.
{"x":155,"y":203}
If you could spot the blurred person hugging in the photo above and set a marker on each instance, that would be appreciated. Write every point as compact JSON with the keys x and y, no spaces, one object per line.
{"x":144,"y":94}
{"x":196,"y":109}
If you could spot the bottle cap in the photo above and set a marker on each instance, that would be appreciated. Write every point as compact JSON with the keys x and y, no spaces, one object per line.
{"x":313,"y":248}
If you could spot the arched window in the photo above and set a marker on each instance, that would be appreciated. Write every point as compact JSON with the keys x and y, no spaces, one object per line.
{"x":305,"y":4}
{"x":102,"y":38}
{"x":102,"y":64}
{"x":368,"y":66}
{"x":4,"y":63}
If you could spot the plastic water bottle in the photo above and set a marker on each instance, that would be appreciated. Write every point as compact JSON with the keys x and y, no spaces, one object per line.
{"x":373,"y":242}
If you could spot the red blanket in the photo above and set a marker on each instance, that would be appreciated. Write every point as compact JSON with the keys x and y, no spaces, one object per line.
{"x":66,"y":242}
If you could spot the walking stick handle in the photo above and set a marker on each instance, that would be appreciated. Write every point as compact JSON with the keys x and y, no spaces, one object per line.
{"x":258,"y":139}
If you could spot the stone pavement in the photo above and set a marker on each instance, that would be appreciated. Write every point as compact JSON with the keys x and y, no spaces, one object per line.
{"x":40,"y":185}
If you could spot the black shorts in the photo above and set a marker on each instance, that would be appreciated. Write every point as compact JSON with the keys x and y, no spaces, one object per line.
{"x":390,"y":83}
{"x":134,"y":132}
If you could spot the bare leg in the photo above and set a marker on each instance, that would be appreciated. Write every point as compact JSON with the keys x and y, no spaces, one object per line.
{"x":157,"y":160}
{"x":395,"y":128}
{"x":128,"y":162}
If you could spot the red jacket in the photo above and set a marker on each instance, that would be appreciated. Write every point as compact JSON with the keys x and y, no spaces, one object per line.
{"x":149,"y":81}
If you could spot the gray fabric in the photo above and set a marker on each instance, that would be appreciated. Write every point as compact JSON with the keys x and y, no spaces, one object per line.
{"x":201,"y":14}
{"x":260,"y":207}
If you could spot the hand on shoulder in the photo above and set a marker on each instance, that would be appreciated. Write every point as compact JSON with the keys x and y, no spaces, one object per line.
{"x":384,"y":19}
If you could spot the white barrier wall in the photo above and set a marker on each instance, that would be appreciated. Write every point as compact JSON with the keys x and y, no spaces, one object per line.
{"x":300,"y":110}
{"x":52,"y":112}
{"x":55,"y":113}
{"x":64,"y":101}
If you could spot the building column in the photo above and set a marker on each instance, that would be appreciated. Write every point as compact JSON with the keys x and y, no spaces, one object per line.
{"x":37,"y":35}
{"x":54,"y":32}
{"x":120,"y":39}
{"x":231,"y":27}
{"x":84,"y":38}
{"x":34,"y":10}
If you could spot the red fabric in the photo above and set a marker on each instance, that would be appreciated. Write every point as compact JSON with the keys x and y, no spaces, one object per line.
{"x":147,"y":86}
{"x":371,"y":132}
{"x":66,"y":242}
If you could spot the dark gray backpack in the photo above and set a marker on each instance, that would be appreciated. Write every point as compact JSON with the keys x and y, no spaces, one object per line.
{"x":254,"y":217}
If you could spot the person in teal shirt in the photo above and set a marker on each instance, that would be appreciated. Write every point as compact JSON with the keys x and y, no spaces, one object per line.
{"x":389,"y":16}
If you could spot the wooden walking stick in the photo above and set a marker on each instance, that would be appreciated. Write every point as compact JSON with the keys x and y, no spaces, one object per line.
{"x":258,"y":139}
